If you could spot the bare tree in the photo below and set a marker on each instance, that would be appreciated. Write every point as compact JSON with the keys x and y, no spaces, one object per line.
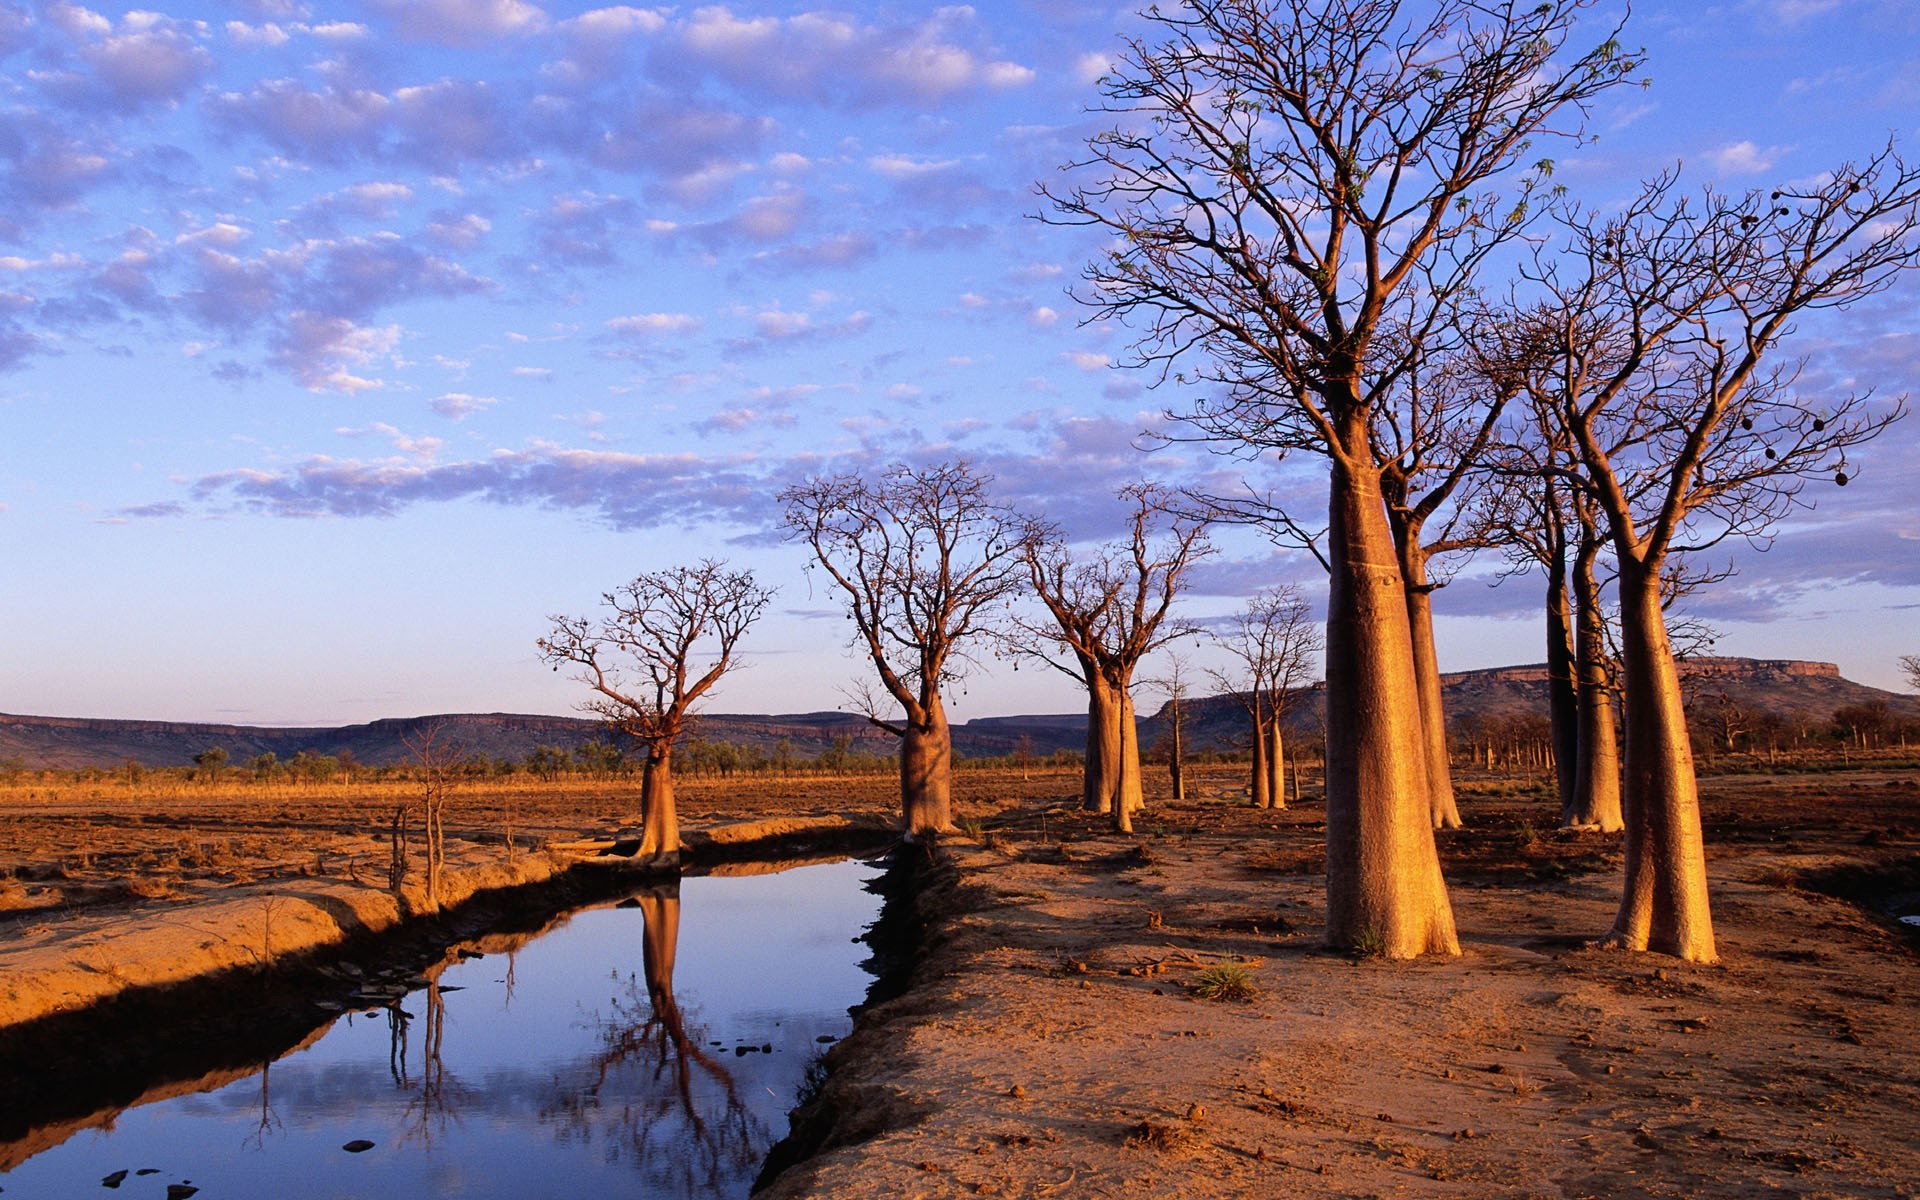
{"x":925,"y":560}
{"x":1275,"y":640}
{"x":1667,"y":314}
{"x":1910,"y":663}
{"x":1175,"y":682}
{"x":1109,"y":611}
{"x":1301,"y":192}
{"x":437,"y":760}
{"x":664,"y":641}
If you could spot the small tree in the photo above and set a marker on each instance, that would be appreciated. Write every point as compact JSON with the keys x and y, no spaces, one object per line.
{"x":1275,"y":638}
{"x":1109,"y":610}
{"x":437,"y":763}
{"x":666,"y":638}
{"x":1910,"y":663}
{"x":212,"y":763}
{"x":925,"y":559}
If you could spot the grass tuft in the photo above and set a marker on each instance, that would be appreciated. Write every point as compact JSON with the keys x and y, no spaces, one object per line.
{"x":1225,"y":982}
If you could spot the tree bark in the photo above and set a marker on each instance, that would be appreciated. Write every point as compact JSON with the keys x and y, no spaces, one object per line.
{"x":1276,"y":762}
{"x":1176,"y":762}
{"x":1384,"y":891}
{"x":1259,"y":778}
{"x":1563,"y":697}
{"x":1101,"y":780}
{"x":926,"y":773}
{"x":1664,"y":906}
{"x":1597,"y":773}
{"x":1129,"y":793}
{"x":659,"y":821}
{"x":1443,"y":810}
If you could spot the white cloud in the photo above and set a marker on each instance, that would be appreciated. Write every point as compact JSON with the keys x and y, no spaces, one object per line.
{"x":1747,"y":158}
{"x":655,"y":324}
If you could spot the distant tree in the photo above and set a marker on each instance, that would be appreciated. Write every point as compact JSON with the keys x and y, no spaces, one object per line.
{"x":1176,"y":683}
{"x":1666,"y":314}
{"x":211,"y":763}
{"x":1910,"y":663}
{"x":925,"y":560}
{"x":1109,"y":609}
{"x":1275,"y":640}
{"x":1862,"y":725}
{"x":437,"y":763}
{"x":263,"y":767}
{"x":665,"y":640}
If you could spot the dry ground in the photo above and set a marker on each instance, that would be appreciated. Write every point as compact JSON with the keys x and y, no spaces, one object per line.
{"x":1052,"y":1045}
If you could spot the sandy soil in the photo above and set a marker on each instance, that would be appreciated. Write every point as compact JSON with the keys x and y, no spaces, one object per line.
{"x":1052,"y":1045}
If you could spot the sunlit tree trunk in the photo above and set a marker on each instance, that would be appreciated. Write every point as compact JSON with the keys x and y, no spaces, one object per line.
{"x":1443,"y":810}
{"x":1101,"y":780}
{"x":1129,"y":793}
{"x":926,"y":772}
{"x":1384,"y":890}
{"x":1664,"y":906}
{"x":1276,"y":762}
{"x":659,"y":821}
{"x":1259,"y":779}
{"x":1597,"y":775}
{"x":1177,"y":756}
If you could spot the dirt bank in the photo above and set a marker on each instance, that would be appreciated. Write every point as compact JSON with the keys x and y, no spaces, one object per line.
{"x":1053,"y":1044}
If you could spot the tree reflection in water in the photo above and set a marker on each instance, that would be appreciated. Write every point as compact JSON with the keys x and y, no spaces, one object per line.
{"x":436,"y":1100}
{"x":653,"y":1094}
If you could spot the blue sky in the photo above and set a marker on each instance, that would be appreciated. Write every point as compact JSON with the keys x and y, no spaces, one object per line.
{"x":342,"y":342}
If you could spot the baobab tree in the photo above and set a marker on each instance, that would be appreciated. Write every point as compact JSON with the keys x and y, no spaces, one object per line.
{"x":1108,"y":611}
{"x":1910,"y":663}
{"x":925,"y":560}
{"x":1667,"y":316}
{"x":1275,"y":640}
{"x":664,"y":640}
{"x":1300,"y":193}
{"x":1545,"y":519}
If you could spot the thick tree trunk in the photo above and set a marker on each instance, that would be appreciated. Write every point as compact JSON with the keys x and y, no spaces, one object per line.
{"x":1596,"y":783}
{"x":1276,"y":761}
{"x":1563,"y":697}
{"x":1442,"y":808}
{"x":1101,"y":779}
{"x":1129,"y":793}
{"x":926,"y":773}
{"x":1664,"y":906}
{"x":1259,"y":779}
{"x":1384,"y":891}
{"x":659,"y":822}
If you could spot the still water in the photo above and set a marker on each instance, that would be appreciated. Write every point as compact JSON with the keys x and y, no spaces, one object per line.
{"x":650,"y":1048}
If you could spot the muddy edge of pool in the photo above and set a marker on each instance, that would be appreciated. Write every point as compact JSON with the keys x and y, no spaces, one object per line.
{"x":148,"y":1042}
{"x":922,"y":895}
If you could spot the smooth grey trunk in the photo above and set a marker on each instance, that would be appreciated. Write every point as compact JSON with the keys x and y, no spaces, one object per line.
{"x":1664,"y":906}
{"x":1100,"y":779}
{"x":1384,"y":890}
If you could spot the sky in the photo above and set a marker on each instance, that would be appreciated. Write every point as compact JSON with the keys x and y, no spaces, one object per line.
{"x":343,"y":343}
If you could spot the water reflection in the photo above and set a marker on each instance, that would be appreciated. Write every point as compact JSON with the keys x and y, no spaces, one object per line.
{"x":531,"y":1065}
{"x":692,"y":1131}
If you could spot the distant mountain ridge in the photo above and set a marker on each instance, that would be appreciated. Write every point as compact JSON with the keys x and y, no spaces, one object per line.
{"x":1796,"y":689}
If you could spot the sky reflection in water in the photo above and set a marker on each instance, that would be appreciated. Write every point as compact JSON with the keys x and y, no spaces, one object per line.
{"x":554,"y":1070}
